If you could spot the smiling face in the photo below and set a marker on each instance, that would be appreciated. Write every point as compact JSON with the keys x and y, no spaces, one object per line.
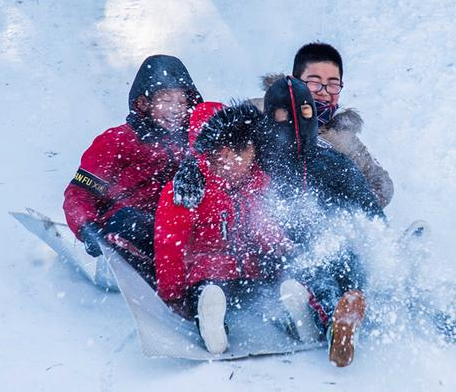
{"x":325,"y":72}
{"x":233,"y":166}
{"x":168,"y":108}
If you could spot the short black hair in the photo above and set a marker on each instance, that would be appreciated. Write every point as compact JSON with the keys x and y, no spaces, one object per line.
{"x":232,"y":127}
{"x":313,"y":53}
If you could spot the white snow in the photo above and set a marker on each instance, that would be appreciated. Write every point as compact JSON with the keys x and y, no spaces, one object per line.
{"x":65,"y":71}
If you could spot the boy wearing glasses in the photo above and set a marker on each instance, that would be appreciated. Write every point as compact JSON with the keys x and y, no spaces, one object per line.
{"x":320,"y":66}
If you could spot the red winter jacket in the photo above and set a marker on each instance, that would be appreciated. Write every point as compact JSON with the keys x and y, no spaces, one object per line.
{"x":119,"y":170}
{"x":222,"y":239}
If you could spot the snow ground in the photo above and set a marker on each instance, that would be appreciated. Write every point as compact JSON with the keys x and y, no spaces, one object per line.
{"x":65,"y":69}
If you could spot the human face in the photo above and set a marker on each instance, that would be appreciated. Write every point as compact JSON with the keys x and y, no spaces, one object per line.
{"x":325,"y":72}
{"x":232,"y":166}
{"x":168,"y":108}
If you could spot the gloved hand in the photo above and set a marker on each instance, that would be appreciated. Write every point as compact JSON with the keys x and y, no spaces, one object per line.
{"x":188,"y":183}
{"x":298,"y":251}
{"x":91,"y":236}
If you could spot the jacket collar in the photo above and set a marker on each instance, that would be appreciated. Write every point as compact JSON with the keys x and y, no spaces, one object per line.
{"x":145,"y":129}
{"x":257,"y":181}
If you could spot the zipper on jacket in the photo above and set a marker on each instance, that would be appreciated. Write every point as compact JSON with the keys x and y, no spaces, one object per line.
{"x":224,"y":226}
{"x":237,"y":218}
{"x":231,"y":237}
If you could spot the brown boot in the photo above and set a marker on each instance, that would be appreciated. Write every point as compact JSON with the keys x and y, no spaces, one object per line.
{"x":347,"y":317}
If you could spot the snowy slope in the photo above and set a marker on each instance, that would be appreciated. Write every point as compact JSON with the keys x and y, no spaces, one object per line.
{"x":65,"y":69}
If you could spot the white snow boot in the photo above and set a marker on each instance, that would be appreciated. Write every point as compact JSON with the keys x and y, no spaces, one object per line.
{"x":417,"y":229}
{"x":211,"y":318}
{"x":295,"y":299}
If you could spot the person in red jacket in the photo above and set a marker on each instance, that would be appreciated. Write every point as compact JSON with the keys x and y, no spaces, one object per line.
{"x":215,"y":253}
{"x":115,"y":191}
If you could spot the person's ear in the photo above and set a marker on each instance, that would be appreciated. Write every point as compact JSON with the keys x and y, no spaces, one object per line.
{"x":142,"y":104}
{"x":225,"y":153}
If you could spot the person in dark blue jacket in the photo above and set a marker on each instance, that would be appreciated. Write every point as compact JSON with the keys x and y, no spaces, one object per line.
{"x":290,"y":152}
{"x":301,"y":170}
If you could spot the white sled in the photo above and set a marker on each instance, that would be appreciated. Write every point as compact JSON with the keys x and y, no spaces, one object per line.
{"x":161,"y":332}
{"x":61,"y":239}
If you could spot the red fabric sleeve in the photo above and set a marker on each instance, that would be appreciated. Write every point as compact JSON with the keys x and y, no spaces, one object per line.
{"x":101,"y":159}
{"x":173,"y":230}
{"x":79,"y":207}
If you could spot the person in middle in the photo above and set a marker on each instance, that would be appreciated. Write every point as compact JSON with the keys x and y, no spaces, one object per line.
{"x":217,"y":253}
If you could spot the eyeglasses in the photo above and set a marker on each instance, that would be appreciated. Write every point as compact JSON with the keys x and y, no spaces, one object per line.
{"x":316,"y":87}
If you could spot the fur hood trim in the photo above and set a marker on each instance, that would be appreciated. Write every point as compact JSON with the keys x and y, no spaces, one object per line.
{"x":348,"y":120}
{"x":269,"y":79}
{"x":234,"y":122}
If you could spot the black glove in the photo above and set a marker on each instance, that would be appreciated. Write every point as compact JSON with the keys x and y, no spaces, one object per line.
{"x":91,"y":236}
{"x":299,"y":250}
{"x":188,"y":184}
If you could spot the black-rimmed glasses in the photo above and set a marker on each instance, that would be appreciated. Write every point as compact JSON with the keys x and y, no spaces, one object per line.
{"x":316,"y":87}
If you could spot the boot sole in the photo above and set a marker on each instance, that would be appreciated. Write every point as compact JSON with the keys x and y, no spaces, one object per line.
{"x":211,"y":314}
{"x":295,"y":299}
{"x":347,"y":317}
{"x":417,"y":229}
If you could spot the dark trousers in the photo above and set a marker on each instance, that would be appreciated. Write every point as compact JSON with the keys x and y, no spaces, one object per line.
{"x":137,"y":228}
{"x":329,"y":281}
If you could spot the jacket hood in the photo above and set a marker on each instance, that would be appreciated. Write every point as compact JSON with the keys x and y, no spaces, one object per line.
{"x":232,"y":125}
{"x":283,"y":146}
{"x":162,"y":72}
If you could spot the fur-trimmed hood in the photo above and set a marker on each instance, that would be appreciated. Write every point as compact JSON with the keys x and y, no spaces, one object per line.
{"x":213,"y":126}
{"x":231,"y":125}
{"x":347,"y":120}
{"x":269,"y":79}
